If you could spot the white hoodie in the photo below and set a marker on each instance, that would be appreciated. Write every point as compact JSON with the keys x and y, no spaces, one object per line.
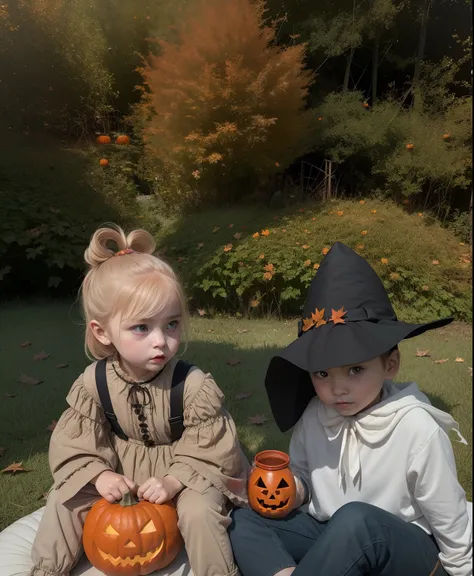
{"x":397,"y":456}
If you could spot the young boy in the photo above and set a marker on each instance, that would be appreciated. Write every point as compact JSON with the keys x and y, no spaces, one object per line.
{"x":371,"y":458}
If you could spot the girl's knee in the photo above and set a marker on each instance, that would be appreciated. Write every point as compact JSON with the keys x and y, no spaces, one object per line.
{"x":202,"y":513}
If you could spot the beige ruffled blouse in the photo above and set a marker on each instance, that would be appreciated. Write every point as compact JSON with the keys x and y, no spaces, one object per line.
{"x":207,"y":454}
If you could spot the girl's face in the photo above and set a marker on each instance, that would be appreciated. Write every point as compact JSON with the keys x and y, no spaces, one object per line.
{"x":352,"y":389}
{"x":144,"y":345}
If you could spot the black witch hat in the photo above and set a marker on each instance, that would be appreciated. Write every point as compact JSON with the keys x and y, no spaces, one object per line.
{"x":347,"y":319}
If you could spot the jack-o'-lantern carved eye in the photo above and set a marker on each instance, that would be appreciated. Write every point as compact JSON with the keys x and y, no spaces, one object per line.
{"x":260,"y":483}
{"x":111,"y":530}
{"x":148,"y":528}
{"x":283,"y":484}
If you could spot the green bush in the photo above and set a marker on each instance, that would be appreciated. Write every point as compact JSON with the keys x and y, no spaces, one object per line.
{"x":420,"y":263}
{"x":51,"y":201}
{"x":373,"y":141}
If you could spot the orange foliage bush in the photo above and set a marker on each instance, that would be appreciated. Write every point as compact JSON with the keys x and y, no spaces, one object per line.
{"x":224,"y":107}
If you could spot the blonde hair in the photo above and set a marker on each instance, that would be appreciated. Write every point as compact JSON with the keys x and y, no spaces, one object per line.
{"x":132,"y":285}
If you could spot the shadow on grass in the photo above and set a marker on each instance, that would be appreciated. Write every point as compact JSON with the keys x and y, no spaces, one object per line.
{"x":440,"y":403}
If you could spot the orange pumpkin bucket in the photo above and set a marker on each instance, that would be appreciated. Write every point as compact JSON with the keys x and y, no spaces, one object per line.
{"x":271,"y":485}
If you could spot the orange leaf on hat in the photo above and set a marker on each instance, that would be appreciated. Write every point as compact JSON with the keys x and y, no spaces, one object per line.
{"x":318,"y":317}
{"x":338,"y":316}
{"x":307,"y":324}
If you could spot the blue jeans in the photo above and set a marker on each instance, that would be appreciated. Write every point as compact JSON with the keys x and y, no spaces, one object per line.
{"x":359,"y":539}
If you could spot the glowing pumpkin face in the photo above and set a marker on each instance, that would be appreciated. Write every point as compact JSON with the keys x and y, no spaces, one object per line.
{"x":271,"y":485}
{"x":131,"y":538}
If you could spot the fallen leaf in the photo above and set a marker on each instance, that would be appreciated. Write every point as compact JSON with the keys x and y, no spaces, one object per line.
{"x":24,"y":379}
{"x":41,"y":356}
{"x":373,"y":211}
{"x":441,"y":361}
{"x":233,"y":361}
{"x":215,"y":229}
{"x":267,"y":275}
{"x":62,"y":365}
{"x":228,"y":247}
{"x":258,"y":419}
{"x":425,"y":287}
{"x":305,"y":246}
{"x":470,"y":370}
{"x":25,"y":344}
{"x":11,"y":395}
{"x":422,"y":353}
{"x":256,"y":235}
{"x":52,"y":426}
{"x":238,"y":235}
{"x":459,"y":360}
{"x":307,"y":324}
{"x":261,"y":257}
{"x":243,"y":396}
{"x":231,"y":225}
{"x":361,"y":201}
{"x":435,"y":262}
{"x":384,"y":260}
{"x":325,"y":250}
{"x":316,"y":266}
{"x":243,"y":331}
{"x":340,"y":212}
{"x":2,"y":450}
{"x":364,"y":233}
{"x":394,"y":276}
{"x":201,"y":312}
{"x":200,"y":245}
{"x":269,"y":267}
{"x":265,"y":232}
{"x":307,"y":263}
{"x":210,"y":330}
{"x":14,"y":468}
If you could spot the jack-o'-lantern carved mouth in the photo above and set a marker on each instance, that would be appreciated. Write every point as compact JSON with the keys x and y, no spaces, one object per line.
{"x":282,"y":504}
{"x":132,"y":560}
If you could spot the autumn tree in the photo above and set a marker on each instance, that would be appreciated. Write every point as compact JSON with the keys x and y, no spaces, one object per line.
{"x":224,"y":107}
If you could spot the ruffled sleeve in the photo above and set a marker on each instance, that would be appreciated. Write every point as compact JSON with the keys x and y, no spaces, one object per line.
{"x":80,"y":447}
{"x":209,"y":452}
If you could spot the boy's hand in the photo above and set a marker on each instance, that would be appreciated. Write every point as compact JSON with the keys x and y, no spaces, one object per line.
{"x":300,"y":493}
{"x":113,"y":486}
{"x":159,"y":490}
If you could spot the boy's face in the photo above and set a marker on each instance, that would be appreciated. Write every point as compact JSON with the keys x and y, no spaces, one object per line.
{"x":352,"y":389}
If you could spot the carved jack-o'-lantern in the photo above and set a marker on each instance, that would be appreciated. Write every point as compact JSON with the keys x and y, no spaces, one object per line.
{"x":271,"y":486}
{"x":131,"y":538}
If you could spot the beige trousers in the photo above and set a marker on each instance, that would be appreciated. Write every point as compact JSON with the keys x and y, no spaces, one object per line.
{"x":203,"y":522}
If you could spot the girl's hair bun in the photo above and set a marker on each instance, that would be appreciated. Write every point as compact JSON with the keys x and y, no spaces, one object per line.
{"x":106,"y":241}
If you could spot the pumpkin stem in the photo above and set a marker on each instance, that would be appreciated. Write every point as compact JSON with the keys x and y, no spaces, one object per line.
{"x":128,"y":499}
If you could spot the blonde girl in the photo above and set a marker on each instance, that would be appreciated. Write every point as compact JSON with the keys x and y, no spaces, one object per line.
{"x":116,"y":435}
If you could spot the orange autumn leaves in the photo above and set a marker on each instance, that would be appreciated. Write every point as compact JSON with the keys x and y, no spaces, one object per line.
{"x":317,"y":318}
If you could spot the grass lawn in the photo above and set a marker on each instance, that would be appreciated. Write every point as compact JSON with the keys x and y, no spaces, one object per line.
{"x":55,"y":327}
